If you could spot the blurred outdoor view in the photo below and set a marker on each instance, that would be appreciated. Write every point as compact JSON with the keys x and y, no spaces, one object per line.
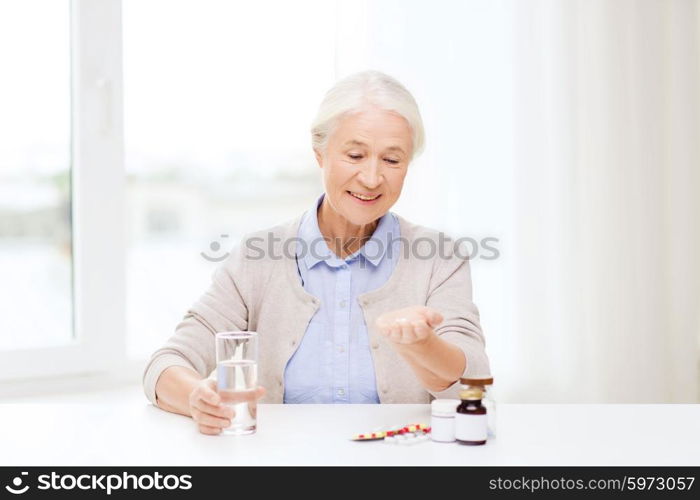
{"x":217,"y":140}
{"x":35,"y":174}
{"x":212,"y":151}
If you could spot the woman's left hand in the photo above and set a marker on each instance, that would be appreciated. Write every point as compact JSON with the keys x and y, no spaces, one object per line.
{"x":411,"y":325}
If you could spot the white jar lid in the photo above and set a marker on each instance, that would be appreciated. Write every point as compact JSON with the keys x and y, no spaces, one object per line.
{"x":448,"y":406}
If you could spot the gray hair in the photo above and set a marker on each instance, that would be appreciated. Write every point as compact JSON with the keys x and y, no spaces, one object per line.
{"x":360,"y":91}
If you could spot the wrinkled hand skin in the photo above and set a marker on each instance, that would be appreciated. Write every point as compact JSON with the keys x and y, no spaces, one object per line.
{"x":209,"y":409}
{"x":409,"y":326}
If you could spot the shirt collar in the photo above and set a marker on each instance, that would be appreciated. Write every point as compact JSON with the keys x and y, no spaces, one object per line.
{"x":316,"y":250}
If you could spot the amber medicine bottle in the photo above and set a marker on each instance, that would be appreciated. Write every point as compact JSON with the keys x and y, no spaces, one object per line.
{"x":470,"y":420}
{"x":485,"y":383}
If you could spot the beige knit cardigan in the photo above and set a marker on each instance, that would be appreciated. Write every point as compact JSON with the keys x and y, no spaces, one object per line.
{"x":266,"y":295}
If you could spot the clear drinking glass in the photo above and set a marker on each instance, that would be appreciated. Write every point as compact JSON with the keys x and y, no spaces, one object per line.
{"x":237,"y":378}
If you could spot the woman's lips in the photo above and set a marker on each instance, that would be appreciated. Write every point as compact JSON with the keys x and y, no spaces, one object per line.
{"x":364,"y":202}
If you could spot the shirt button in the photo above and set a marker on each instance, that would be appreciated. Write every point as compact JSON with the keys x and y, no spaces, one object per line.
{"x":384,"y":390}
{"x":341,"y":392}
{"x":343,"y":303}
{"x":341,"y":348}
{"x":294,"y":342}
{"x":375,"y":345}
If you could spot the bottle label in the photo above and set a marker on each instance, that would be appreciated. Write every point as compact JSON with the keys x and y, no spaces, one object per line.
{"x":490,"y":416}
{"x":470,"y":427}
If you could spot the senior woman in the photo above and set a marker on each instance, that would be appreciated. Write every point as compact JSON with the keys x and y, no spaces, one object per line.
{"x":362,"y":307}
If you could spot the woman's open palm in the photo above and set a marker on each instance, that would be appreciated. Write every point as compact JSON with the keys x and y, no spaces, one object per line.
{"x":410,"y":325}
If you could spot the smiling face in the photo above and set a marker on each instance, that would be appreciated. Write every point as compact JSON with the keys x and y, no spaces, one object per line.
{"x":365,"y":163}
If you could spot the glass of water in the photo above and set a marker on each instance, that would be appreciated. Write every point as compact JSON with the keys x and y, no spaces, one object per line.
{"x":237,"y":378}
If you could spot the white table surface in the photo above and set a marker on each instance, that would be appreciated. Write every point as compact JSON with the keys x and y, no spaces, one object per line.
{"x":121,"y":428}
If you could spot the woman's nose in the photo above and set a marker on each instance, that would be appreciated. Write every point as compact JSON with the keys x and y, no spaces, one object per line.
{"x":371,"y":175}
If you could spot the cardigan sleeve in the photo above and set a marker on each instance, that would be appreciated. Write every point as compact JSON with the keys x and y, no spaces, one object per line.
{"x":450,"y":294}
{"x":222,"y":307}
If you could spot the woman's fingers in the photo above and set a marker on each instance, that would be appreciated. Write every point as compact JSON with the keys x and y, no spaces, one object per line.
{"x":421,"y":328}
{"x":212,"y":431}
{"x":201,"y":406}
{"x":408,"y":336}
{"x":216,"y":410}
{"x":436,"y":318}
{"x":209,"y":420}
{"x":409,"y":325}
{"x":395,"y":333}
{"x":247,"y":396}
{"x":383,"y":325}
{"x":207,"y":392}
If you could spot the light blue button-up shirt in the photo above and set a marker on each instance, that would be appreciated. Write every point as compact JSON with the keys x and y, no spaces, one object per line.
{"x":333,"y":362}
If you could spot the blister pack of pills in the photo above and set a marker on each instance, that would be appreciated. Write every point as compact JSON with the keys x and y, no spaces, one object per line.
{"x":402,"y":435}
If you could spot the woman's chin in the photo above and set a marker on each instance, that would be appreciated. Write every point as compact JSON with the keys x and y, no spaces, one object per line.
{"x":363,"y":216}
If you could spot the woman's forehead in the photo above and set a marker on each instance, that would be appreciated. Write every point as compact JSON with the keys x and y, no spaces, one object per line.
{"x":368,"y":127}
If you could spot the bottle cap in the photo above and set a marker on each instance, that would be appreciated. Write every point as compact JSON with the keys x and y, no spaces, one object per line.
{"x":471,"y":394}
{"x":444,"y":405}
{"x":477,"y":380}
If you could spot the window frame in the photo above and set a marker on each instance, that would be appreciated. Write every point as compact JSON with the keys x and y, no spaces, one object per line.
{"x":97,"y":201}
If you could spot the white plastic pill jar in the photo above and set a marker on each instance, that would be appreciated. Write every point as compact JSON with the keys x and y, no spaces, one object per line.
{"x":442,"y":420}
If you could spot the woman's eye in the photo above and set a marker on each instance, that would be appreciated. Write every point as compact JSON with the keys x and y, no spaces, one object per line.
{"x":359,"y":157}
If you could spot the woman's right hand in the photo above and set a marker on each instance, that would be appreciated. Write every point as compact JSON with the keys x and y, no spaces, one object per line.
{"x":207,"y":410}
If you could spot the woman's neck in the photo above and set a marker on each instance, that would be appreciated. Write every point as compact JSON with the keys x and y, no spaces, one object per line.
{"x":342,"y":236}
